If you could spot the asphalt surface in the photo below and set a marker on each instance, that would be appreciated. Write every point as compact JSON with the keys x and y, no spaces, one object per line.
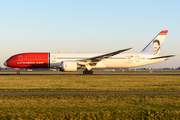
{"x":121,"y":74}
{"x":81,"y":93}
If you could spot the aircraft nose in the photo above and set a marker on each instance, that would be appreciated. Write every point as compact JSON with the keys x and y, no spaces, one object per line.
{"x":5,"y":63}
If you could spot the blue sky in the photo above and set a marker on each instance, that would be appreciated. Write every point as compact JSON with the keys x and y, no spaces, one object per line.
{"x":88,"y":26}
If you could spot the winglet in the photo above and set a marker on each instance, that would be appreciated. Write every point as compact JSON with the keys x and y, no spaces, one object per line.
{"x":125,"y":49}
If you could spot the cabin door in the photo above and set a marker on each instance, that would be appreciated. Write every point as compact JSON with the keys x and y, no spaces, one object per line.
{"x":137,"y":58}
{"x":53,"y":58}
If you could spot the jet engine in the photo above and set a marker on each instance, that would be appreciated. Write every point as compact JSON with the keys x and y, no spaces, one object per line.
{"x":68,"y":66}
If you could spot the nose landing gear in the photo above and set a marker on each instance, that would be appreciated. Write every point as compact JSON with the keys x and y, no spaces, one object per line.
{"x":18,"y":71}
{"x":86,"y":71}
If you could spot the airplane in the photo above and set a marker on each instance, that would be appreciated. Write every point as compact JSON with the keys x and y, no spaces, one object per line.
{"x":89,"y":61}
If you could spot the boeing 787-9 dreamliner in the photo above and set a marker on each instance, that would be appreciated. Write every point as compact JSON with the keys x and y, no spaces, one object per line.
{"x":89,"y":61}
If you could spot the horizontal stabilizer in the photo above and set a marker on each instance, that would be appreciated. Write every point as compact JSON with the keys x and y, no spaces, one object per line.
{"x":161,"y":57}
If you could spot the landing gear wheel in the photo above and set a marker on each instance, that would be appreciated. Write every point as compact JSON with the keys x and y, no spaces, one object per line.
{"x":87,"y":72}
{"x":90,"y":72}
{"x":18,"y":72}
{"x":84,"y":72}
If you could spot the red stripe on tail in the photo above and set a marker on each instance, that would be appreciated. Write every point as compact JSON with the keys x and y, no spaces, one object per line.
{"x":164,"y":32}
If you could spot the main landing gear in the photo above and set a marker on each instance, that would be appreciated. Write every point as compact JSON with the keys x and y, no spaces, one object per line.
{"x":86,"y":71}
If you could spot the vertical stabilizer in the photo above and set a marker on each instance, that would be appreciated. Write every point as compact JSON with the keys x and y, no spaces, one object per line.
{"x":154,"y":47}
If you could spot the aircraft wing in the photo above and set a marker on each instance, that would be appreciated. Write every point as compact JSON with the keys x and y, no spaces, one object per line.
{"x":96,"y":59}
{"x":161,"y":57}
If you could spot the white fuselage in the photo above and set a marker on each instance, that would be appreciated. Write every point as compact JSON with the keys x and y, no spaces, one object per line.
{"x":123,"y":60}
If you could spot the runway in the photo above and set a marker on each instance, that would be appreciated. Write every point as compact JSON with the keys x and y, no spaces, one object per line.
{"x":120,"y":74}
{"x":83,"y":93}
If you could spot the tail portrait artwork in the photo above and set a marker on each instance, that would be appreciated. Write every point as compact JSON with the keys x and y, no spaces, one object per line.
{"x":154,"y":47}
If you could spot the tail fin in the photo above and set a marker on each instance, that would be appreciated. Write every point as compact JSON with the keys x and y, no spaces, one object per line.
{"x":154,"y":47}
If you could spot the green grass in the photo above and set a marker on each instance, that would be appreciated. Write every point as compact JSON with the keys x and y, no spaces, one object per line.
{"x":89,"y":83}
{"x":90,"y":107}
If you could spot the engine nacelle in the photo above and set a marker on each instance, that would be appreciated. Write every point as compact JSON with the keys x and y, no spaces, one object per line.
{"x":68,"y":66}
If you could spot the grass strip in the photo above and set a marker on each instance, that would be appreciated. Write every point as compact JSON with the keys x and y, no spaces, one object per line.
{"x":90,"y":107}
{"x":88,"y":83}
